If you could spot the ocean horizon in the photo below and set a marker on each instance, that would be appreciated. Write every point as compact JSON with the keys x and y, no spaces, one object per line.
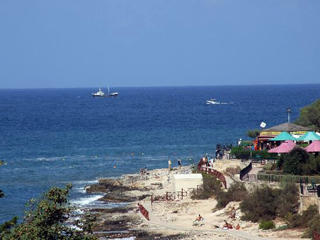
{"x":54,"y":136}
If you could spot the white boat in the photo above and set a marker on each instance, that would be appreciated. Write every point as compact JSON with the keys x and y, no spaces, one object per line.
{"x":212,"y":101}
{"x":100,"y":93}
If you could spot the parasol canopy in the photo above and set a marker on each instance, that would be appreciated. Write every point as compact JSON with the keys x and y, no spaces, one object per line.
{"x":309,"y":136}
{"x":283,"y":137}
{"x":285,"y":147}
{"x":314,"y":146}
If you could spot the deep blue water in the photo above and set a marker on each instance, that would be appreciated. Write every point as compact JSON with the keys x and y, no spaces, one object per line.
{"x":49,"y":137}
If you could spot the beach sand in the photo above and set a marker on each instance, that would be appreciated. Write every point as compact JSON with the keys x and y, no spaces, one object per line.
{"x":169,"y":219}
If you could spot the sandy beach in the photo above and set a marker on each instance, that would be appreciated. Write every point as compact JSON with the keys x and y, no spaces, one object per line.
{"x":171,"y":219}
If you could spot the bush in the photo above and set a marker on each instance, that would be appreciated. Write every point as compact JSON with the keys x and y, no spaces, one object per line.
{"x":288,"y":200}
{"x":240,"y":153}
{"x":253,"y":133}
{"x":260,"y":204}
{"x":295,"y":160}
{"x":280,"y":161}
{"x":314,"y":226}
{"x":269,"y":166}
{"x":236,"y":192}
{"x":265,"y":203}
{"x":46,"y":219}
{"x":263,"y":154}
{"x":302,"y":221}
{"x":266,"y":225}
{"x":210,"y":187}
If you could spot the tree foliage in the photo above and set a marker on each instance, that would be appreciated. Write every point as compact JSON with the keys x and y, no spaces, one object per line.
{"x":236,"y":192}
{"x":294,"y":162}
{"x":46,"y":219}
{"x":310,"y":116}
{"x":253,"y":133}
{"x":265,"y":203}
{"x":210,"y":187}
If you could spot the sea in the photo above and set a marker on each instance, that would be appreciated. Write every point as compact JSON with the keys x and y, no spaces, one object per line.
{"x":52,"y":137}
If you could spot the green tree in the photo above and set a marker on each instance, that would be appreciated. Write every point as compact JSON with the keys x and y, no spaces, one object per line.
{"x":253,"y":133}
{"x":46,"y":219}
{"x":295,"y":161}
{"x":310,"y":116}
{"x":261,"y":204}
{"x":265,"y":203}
{"x":236,"y":192}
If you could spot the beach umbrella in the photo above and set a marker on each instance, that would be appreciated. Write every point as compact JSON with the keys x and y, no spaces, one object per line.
{"x":283,"y":137}
{"x":314,"y":146}
{"x":285,"y":147}
{"x":309,"y":136}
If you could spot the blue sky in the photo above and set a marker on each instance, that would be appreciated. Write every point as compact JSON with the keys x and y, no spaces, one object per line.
{"x":76,"y":43}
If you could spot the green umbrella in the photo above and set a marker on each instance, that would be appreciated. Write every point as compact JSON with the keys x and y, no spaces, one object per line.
{"x":283,"y":137}
{"x":309,"y":136}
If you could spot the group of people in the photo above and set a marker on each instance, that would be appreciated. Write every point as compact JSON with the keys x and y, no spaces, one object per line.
{"x":179,"y":163}
{"x":199,"y":221}
{"x":206,"y":162}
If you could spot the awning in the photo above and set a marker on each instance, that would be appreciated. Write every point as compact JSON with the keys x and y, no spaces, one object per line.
{"x":314,"y":146}
{"x":309,"y":136}
{"x":285,"y":147}
{"x":283,"y":137}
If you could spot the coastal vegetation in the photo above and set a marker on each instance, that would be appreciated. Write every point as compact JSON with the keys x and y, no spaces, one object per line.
{"x":266,"y":203}
{"x":244,"y":153}
{"x":266,"y":225}
{"x":46,"y":219}
{"x":253,"y":133}
{"x":299,"y":162}
{"x":309,"y":219}
{"x":310,"y":116}
{"x":236,"y":193}
{"x":211,"y":187}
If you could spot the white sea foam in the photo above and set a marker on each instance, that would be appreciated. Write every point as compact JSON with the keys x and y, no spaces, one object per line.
{"x":85,"y":182}
{"x":79,"y":189}
{"x":86,"y":200}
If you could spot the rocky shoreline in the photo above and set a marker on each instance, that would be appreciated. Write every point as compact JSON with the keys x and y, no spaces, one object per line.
{"x":168,"y":219}
{"x":124,"y":221}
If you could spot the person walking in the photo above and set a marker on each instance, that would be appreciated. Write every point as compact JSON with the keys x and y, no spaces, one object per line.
{"x":179,"y":163}
{"x":169,"y":164}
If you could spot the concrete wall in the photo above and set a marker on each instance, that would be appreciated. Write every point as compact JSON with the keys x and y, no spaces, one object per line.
{"x":186,"y":181}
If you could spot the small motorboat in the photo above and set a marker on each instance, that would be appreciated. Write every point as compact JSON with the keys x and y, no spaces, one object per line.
{"x":212,"y":101}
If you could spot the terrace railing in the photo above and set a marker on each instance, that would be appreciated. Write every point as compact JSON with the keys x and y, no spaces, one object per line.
{"x":213,"y":172}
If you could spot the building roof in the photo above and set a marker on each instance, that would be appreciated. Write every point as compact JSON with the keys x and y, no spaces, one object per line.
{"x":287,"y":127}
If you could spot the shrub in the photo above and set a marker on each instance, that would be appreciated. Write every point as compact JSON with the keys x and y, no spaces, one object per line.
{"x":210,"y":187}
{"x":302,"y":221}
{"x":294,"y":161}
{"x":269,"y":166}
{"x":314,"y":225}
{"x":240,"y":153}
{"x":253,"y":133}
{"x":280,"y":161}
{"x":263,"y":154}
{"x":260,"y":204}
{"x":46,"y":219}
{"x":236,"y":192}
{"x":265,"y":203}
{"x":288,"y":200}
{"x":265,"y":225}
